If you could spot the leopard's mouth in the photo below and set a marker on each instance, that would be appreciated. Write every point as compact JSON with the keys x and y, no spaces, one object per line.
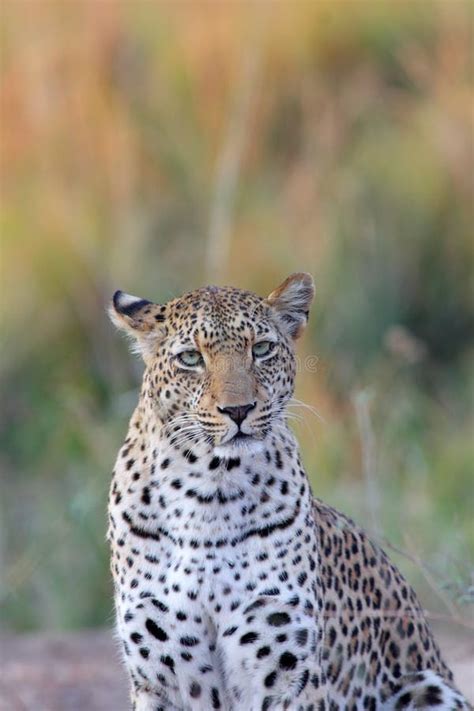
{"x":240,"y":437}
{"x":240,"y":443}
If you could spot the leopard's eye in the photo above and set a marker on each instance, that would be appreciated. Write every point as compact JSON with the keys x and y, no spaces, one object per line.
{"x":190,"y":359}
{"x":262,"y":349}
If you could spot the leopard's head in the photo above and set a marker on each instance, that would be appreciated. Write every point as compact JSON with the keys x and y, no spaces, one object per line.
{"x":220,"y":363}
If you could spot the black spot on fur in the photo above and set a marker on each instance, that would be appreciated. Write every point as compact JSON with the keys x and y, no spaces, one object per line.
{"x":168,"y":662}
{"x":403,"y":701}
{"x":216,"y":704}
{"x":270,"y":679}
{"x":189,"y":641}
{"x":301,"y":637}
{"x":277,"y":619}
{"x":433,"y":696}
{"x":288,"y":661}
{"x":156,"y":631}
{"x":195,"y":690}
{"x":229,"y":631}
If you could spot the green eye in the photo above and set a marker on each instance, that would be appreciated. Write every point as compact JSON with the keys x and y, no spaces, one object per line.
{"x":263,"y":348}
{"x":191,"y":359}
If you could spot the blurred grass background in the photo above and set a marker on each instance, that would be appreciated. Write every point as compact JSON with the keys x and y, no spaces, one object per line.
{"x":156,"y":147}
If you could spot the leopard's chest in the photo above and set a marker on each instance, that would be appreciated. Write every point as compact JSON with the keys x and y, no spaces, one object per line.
{"x":214,"y":571}
{"x":173,"y":598}
{"x":213,"y":565}
{"x":212,"y":558}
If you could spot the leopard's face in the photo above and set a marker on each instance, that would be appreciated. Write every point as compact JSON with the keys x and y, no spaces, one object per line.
{"x":223,"y":351}
{"x":220,"y":361}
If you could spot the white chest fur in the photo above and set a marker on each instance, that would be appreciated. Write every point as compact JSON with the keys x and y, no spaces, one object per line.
{"x":216,"y":557}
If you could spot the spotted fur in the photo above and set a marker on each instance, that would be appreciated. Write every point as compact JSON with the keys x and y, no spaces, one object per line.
{"x":234,"y":587}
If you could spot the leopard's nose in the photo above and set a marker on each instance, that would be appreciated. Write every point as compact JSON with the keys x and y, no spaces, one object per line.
{"x":237,"y":413}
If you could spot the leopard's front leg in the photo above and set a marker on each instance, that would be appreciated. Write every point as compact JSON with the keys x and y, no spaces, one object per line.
{"x":271,"y":658}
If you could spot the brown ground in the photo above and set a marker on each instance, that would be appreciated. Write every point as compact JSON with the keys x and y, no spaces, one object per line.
{"x":82,"y":672}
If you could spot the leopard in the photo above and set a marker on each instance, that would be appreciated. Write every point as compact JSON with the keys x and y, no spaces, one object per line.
{"x":235,"y":587}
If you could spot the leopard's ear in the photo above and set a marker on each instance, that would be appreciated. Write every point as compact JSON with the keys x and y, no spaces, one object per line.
{"x":291,"y":301}
{"x":141,"y":320}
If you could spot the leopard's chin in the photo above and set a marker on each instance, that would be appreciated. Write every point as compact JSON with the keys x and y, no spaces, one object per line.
{"x":239,"y":444}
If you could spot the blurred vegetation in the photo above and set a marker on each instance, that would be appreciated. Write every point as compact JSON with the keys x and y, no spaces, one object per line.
{"x":159,"y":146}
